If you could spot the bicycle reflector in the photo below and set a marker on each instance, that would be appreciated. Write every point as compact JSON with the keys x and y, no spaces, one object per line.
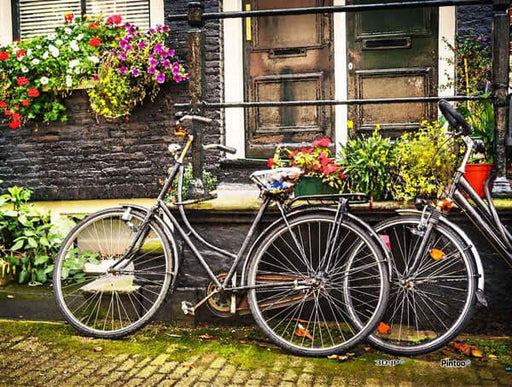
{"x":436,"y":254}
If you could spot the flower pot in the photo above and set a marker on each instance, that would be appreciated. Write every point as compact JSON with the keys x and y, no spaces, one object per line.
{"x":476,"y":175}
{"x":309,"y":185}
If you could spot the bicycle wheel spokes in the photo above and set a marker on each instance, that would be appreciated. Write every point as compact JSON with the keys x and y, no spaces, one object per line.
{"x":428,"y":306}
{"x":310,"y":314}
{"x":100,"y":293}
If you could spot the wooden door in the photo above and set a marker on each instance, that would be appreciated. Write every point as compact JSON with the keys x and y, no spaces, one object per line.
{"x":392,"y":53}
{"x":287,"y":58}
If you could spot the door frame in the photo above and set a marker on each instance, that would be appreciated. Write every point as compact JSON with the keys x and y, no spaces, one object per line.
{"x":233,"y":54}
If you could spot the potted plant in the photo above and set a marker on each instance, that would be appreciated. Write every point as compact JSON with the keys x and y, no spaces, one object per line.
{"x":322,"y":174}
{"x":480,"y":114}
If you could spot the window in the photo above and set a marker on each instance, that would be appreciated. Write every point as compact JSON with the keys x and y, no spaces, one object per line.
{"x":40,"y":17}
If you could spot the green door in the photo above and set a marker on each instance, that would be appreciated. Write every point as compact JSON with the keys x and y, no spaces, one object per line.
{"x":392,"y":54}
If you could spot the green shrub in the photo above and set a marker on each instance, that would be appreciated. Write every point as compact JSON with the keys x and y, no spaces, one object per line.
{"x":27,"y":238}
{"x":209,"y":180}
{"x":367,"y":161}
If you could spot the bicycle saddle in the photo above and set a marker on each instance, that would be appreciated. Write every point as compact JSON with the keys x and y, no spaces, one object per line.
{"x":277,"y":181}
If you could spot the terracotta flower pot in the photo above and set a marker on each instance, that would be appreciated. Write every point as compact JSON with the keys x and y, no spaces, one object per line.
{"x":477,"y":174}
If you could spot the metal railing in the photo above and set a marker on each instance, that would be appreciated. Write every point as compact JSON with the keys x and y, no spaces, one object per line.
{"x":196,"y":18}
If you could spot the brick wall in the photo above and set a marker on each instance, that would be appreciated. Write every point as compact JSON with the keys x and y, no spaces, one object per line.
{"x":88,"y":158}
{"x":474,"y":18}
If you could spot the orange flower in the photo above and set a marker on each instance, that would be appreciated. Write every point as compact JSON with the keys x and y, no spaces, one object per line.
{"x":94,"y":42}
{"x":33,"y":93}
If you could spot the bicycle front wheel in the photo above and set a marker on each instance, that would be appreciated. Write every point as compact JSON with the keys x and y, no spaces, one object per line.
{"x":100,"y":293}
{"x":429,"y":307}
{"x":306,"y":279}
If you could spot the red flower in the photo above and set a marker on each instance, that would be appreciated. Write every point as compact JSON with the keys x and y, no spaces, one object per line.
{"x":14,"y":124}
{"x":25,"y":103}
{"x":342,"y":176}
{"x":93,"y":25}
{"x":94,"y":42}
{"x":3,"y":105}
{"x":114,"y":19}
{"x":4,"y":55}
{"x":324,"y":143}
{"x":22,"y":81}
{"x":270,"y":162}
{"x":32,"y":93}
{"x":293,"y":154}
{"x":15,"y":116}
{"x":20,"y":53}
{"x":7,"y":113}
{"x":69,"y":17}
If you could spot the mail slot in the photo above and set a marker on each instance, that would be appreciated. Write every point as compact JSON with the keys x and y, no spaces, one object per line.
{"x":386,"y":43}
{"x":287,"y":52}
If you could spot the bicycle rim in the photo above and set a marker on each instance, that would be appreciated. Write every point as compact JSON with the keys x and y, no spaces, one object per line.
{"x":103,"y":302}
{"x":427,"y":310}
{"x":314,"y":320}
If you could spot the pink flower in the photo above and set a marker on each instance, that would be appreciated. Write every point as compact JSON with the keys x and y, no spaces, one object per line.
{"x":324,"y":143}
{"x":160,"y":78}
{"x":135,"y":72}
{"x":151,"y":70}
{"x":123,"y":69}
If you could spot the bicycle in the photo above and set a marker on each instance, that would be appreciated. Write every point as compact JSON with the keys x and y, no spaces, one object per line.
{"x":437,"y":272}
{"x":302,"y":278}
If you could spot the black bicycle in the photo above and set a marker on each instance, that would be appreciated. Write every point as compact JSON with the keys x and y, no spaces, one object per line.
{"x":437,"y":272}
{"x":315,"y":280}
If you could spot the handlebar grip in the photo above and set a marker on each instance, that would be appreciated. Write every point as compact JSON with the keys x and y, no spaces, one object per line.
{"x":455,"y":119}
{"x":221,"y":147}
{"x":204,"y":120}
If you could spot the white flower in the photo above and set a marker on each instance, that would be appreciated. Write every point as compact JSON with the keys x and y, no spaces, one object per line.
{"x":44,"y":80}
{"x":80,"y":37}
{"x":39,"y":47}
{"x":74,"y":63}
{"x":45,"y":55}
{"x":74,"y":45}
{"x":24,"y":69}
{"x":69,"y":71}
{"x":51,"y":36}
{"x":67,"y":31}
{"x":69,"y":81}
{"x":29,"y":52}
{"x":93,"y":59}
{"x":55,"y":53}
{"x":59,"y":42}
{"x":78,"y":70}
{"x":35,"y":61}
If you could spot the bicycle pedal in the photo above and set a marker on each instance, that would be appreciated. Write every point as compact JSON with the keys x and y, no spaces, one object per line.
{"x":187,"y":308}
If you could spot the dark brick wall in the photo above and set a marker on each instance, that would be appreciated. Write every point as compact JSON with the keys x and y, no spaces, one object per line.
{"x":475,"y":18}
{"x":88,"y":158}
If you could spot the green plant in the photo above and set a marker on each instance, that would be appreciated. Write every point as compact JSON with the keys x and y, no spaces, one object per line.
{"x":316,"y":161}
{"x":209,"y":180}
{"x":27,"y":238}
{"x":424,"y":162}
{"x":367,"y":161}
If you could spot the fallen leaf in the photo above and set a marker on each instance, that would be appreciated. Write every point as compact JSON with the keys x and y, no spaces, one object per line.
{"x":475,"y":352}
{"x":242,"y":341}
{"x":367,"y":349}
{"x":338,"y":357}
{"x":437,"y":254}
{"x":98,"y":349}
{"x":384,"y":328}
{"x":262,"y":345}
{"x":10,"y":296}
{"x":173,"y":335}
{"x":492,"y":357}
{"x":190,"y":365}
{"x":462,"y":347}
{"x":206,"y":336}
{"x":302,"y":332}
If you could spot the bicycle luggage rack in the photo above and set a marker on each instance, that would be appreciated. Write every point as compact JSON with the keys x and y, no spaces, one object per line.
{"x":352,"y":198}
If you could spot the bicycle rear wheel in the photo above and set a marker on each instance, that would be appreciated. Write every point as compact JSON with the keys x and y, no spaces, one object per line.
{"x":428,"y":309}
{"x":98,"y":300}
{"x":306,"y":283}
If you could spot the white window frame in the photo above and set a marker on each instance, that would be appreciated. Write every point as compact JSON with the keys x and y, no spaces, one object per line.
{"x":156,"y":16}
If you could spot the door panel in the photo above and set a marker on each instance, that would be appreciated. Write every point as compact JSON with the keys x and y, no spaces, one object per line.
{"x":392,"y":54}
{"x":287,"y":58}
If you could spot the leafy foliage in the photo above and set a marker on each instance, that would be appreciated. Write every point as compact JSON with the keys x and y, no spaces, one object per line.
{"x":27,"y":238}
{"x":367,"y":161}
{"x":424,"y":162}
{"x":209,"y":180}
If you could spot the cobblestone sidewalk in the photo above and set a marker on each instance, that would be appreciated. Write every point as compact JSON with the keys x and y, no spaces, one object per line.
{"x":51,"y":354}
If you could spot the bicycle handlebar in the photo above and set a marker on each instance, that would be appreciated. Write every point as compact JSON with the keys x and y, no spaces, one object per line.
{"x":455,"y":119}
{"x":221,"y":147}
{"x":188,"y":117}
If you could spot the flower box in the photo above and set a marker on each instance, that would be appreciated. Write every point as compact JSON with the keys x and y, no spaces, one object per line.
{"x":310,"y":185}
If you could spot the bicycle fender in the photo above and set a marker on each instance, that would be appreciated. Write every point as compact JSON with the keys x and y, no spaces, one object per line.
{"x":476,"y":256}
{"x":142,"y":211}
{"x":301,"y":210}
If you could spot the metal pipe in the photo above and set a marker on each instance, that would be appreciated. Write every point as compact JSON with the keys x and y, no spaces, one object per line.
{"x":368,"y":101}
{"x":330,"y":9}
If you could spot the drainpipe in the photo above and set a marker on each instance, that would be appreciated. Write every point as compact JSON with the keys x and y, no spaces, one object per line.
{"x":195,"y":87}
{"x":500,"y":75}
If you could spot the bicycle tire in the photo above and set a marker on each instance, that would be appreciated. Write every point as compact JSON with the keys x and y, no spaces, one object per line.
{"x":432,"y":332}
{"x":81,"y":278}
{"x":296,"y":303}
